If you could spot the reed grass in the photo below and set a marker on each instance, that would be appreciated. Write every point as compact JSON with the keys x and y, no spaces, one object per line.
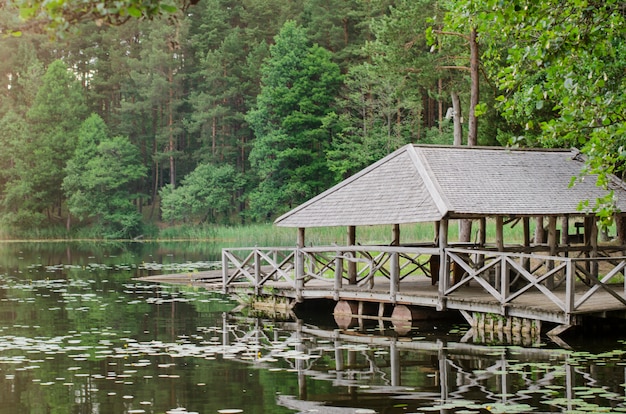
{"x":268,"y":235}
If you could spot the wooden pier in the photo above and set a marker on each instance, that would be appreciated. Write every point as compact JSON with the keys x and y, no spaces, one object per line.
{"x":523,"y":288}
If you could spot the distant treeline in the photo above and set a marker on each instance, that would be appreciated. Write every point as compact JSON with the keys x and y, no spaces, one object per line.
{"x":235,"y":111}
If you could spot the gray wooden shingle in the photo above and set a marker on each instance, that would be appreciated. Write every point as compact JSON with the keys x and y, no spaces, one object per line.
{"x":426,"y":183}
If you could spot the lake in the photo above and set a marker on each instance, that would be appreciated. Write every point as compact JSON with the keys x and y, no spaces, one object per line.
{"x":79,"y":334}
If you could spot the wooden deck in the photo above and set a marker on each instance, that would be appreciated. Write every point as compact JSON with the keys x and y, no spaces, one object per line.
{"x":553,"y":289}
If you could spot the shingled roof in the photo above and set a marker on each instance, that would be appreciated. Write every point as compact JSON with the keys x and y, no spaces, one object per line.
{"x":427,"y":183}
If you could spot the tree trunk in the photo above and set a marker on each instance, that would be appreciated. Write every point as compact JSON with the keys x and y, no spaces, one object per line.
{"x":440,"y":93}
{"x":170,"y":124}
{"x":458,"y":126}
{"x":465,"y":226}
{"x":472,"y":133}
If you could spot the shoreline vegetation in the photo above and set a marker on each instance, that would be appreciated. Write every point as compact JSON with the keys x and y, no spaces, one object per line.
{"x":255,"y":234}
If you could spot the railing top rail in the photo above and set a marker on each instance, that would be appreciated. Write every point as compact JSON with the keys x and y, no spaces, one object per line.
{"x":373,"y":248}
{"x":279,"y":249}
{"x":535,"y":256}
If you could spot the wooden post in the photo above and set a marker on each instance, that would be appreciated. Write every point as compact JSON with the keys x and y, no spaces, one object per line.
{"x":300,"y":262}
{"x":570,"y":274}
{"x":351,"y":263}
{"x":395,"y":235}
{"x":593,"y":237}
{"x":552,"y":245}
{"x":257,"y":272}
{"x":338,"y":274}
{"x":500,"y":274}
{"x":539,"y":233}
{"x":394,"y":276}
{"x":526,"y":225}
{"x":480,"y":258}
{"x":224,"y":272}
{"x":565,"y":230}
{"x":620,"y":223}
{"x":483,"y":231}
{"x":500,"y":233}
{"x":444,"y":268}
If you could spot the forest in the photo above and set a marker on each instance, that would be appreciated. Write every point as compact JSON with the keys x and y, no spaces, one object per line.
{"x":235,"y":111}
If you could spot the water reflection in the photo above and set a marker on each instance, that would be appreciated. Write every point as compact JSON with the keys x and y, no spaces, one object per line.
{"x":79,"y":334}
{"x":426,"y":375}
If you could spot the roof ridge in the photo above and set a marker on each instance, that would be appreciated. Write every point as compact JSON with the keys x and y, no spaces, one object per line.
{"x":494,"y":148}
{"x":345,"y":182}
{"x":420,"y":162}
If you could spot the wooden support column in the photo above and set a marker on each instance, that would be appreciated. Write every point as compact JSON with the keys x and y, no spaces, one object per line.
{"x":539,"y":233}
{"x":444,"y":265}
{"x":500,"y":233}
{"x":552,"y":245}
{"x":593,"y":238}
{"x":501,"y":284}
{"x":483,"y":231}
{"x":565,"y":230}
{"x":394,"y":276}
{"x":394,"y":264}
{"x":395,"y":235}
{"x":351,"y":263}
{"x":526,"y":226}
{"x":300,"y":262}
{"x":620,"y":226}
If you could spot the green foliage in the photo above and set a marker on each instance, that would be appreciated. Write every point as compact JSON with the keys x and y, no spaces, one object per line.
{"x":98,"y":178}
{"x":369,"y":126}
{"x":299,"y":85}
{"x":207,"y":192}
{"x":39,"y":153}
{"x":231,"y":85}
{"x":62,"y":15}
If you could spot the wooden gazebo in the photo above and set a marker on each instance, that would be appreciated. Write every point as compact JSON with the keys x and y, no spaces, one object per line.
{"x":438,"y":184}
{"x":441,"y":183}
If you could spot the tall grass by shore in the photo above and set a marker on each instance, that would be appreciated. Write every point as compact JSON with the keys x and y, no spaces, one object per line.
{"x":269,"y":235}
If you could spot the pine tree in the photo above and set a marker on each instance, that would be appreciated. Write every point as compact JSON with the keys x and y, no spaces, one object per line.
{"x":299,"y":86}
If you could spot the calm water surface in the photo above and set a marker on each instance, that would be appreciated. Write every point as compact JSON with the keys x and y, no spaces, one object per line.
{"x":78,"y":334}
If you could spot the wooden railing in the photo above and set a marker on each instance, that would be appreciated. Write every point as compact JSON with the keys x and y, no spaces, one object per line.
{"x":333,"y":266}
{"x":567,"y":282}
{"x":258,"y":265}
{"x":507,"y":276}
